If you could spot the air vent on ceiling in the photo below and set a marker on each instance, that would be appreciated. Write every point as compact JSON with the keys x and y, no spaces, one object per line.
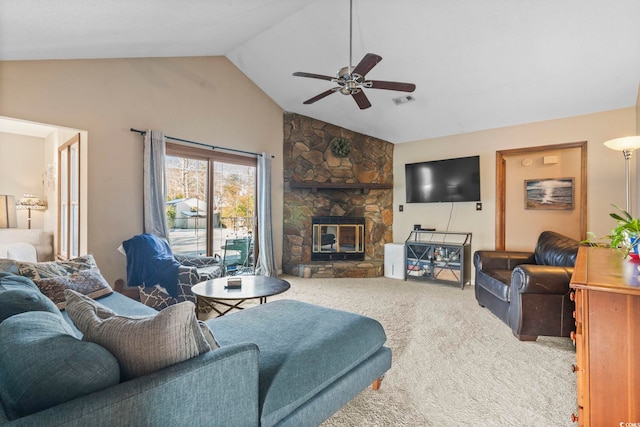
{"x":403,"y":99}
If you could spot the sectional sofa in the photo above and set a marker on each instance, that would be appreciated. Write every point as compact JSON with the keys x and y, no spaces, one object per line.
{"x":284,"y":363}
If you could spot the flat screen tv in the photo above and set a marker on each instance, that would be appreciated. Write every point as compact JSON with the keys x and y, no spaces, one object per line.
{"x":450,"y":180}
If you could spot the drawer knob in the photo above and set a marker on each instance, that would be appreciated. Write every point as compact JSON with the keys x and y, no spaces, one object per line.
{"x":574,"y":418}
{"x":574,"y":314}
{"x":574,"y":368}
{"x":573,"y":336}
{"x":572,"y":296}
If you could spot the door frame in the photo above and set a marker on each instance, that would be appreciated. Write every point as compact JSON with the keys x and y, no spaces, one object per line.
{"x":501,"y":185}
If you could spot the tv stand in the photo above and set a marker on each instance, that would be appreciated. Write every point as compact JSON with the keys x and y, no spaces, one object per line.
{"x":438,"y":256}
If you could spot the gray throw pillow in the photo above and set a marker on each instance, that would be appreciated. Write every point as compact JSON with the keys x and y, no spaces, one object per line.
{"x":9,"y":266}
{"x":42,"y":364}
{"x":18,"y":294}
{"x":141,"y":344}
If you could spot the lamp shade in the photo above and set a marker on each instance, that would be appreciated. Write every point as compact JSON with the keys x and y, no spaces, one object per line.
{"x":626,"y":143}
{"x":7,"y":212}
{"x":31,"y":201}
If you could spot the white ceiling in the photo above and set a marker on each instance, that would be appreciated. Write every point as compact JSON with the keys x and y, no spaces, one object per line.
{"x":477,"y":64}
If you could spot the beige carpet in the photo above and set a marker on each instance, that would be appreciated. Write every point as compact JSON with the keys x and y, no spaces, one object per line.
{"x":454,"y":363}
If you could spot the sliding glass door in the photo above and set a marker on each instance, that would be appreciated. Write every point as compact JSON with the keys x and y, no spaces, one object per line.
{"x":210,"y":201}
{"x":187,"y":199}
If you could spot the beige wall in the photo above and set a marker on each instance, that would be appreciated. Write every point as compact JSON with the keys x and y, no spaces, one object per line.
{"x":205,"y":99}
{"x":605,"y":171}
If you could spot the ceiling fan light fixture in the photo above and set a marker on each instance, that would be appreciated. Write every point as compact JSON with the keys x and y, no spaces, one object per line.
{"x":349,"y":87}
{"x":351,"y":80}
{"x":344,"y":73}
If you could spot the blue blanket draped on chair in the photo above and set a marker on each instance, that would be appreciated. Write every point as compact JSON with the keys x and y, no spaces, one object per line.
{"x":150,"y":262}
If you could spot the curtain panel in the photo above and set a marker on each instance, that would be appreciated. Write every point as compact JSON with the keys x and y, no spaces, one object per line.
{"x":155,"y":185}
{"x":266,"y":263}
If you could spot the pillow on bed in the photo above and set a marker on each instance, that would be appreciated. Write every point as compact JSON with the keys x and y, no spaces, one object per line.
{"x":87,"y":282}
{"x":141,"y":344}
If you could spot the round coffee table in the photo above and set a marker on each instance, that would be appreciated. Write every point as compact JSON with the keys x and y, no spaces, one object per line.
{"x":214,"y":293}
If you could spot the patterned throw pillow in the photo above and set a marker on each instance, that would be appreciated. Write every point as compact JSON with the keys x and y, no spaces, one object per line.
{"x":87,"y":282}
{"x":45,"y":270}
{"x":141,"y":344}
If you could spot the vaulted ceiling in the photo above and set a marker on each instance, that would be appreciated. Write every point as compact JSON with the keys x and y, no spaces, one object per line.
{"x":477,"y":64}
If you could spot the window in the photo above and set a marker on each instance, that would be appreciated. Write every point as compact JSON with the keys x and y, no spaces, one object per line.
{"x":69,"y":199}
{"x":210,"y":199}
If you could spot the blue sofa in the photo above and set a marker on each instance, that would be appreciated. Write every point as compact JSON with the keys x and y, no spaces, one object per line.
{"x":284,"y":363}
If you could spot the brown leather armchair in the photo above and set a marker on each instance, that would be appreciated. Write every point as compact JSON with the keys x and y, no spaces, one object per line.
{"x":529,"y":291}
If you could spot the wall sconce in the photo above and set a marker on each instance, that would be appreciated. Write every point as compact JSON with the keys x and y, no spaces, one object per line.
{"x":49,"y":175}
{"x":29,"y":202}
{"x":627,"y":145}
{"x":8,"y":212}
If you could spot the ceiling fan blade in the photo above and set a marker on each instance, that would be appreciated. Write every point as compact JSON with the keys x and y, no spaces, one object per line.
{"x":361,"y":99}
{"x":366,"y":64}
{"x":322,"y":95}
{"x":313,"y":76}
{"x":377,"y":84}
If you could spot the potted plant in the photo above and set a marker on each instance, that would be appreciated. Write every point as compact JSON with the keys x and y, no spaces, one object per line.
{"x":625,"y":236}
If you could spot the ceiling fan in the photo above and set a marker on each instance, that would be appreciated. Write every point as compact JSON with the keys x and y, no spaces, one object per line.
{"x":351,"y":81}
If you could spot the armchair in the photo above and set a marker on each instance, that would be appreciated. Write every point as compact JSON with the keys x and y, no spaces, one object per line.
{"x":529,"y":291}
{"x":164,"y":278}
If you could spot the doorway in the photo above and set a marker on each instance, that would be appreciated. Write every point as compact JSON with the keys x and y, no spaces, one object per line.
{"x":566,"y":161}
{"x":41,"y":175}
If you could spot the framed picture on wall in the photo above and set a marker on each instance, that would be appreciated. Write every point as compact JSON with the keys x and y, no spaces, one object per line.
{"x":549,"y":193}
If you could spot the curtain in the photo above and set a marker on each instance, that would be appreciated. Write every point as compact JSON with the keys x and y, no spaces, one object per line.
{"x":155,"y":186}
{"x":266,"y":263}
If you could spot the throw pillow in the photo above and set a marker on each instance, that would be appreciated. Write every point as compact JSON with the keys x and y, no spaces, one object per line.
{"x":87,"y":282}
{"x":44,"y":270}
{"x":42,"y":364}
{"x":9,"y":266}
{"x":141,"y":344}
{"x":18,"y":294}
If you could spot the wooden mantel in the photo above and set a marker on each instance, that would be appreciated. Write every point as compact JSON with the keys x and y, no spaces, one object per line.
{"x":315,"y":186}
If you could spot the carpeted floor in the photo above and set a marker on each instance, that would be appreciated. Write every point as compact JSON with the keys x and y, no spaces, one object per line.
{"x":454,"y":363}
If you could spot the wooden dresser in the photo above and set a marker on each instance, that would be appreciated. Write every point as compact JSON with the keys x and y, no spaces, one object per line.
{"x":607,"y":340}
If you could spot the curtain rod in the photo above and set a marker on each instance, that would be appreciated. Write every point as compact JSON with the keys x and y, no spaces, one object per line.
{"x":213,"y":147}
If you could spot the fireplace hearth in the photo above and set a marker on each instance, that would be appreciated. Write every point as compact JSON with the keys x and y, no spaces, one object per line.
{"x":337,"y":238}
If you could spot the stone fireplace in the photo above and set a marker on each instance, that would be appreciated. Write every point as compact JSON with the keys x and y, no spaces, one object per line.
{"x":317,"y":183}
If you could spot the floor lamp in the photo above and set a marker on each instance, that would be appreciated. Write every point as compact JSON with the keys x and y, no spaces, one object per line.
{"x":627,"y":145}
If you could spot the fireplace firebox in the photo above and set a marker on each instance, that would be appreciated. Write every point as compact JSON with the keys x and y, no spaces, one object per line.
{"x":337,"y":238}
